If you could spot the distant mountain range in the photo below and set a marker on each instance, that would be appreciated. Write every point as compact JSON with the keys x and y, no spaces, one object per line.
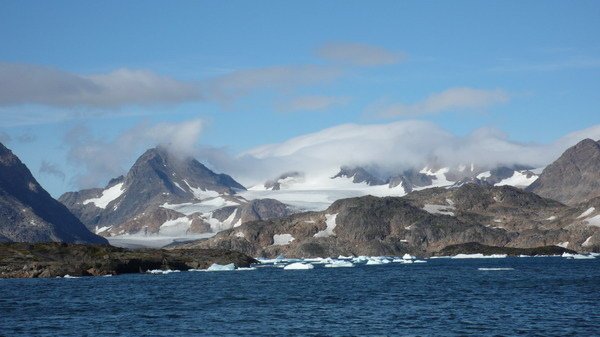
{"x":420,"y":211}
{"x":29,"y":214}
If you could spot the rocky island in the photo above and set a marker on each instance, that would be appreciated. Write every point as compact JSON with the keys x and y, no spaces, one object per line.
{"x":31,"y":260}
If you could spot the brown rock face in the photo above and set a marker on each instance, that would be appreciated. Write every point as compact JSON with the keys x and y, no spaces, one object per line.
{"x":420,"y":223}
{"x":574,"y":177}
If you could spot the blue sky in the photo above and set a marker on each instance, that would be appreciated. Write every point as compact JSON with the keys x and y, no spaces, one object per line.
{"x":257,"y":73}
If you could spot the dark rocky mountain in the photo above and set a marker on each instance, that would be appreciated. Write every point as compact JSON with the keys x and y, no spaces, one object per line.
{"x":421,"y":223}
{"x":574,"y":177}
{"x":165,"y":189}
{"x":29,"y":214}
{"x":359,"y":175}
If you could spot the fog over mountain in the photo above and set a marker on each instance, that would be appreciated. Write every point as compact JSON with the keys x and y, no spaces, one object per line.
{"x":387,"y":149}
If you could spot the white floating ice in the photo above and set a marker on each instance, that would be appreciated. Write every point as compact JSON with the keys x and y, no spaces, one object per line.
{"x":298,"y":266}
{"x":339,"y":264}
{"x":220,"y":267}
{"x":495,"y":269}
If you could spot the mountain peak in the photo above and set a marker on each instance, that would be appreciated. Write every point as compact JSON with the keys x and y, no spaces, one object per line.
{"x":574,"y":177}
{"x":29,"y":213}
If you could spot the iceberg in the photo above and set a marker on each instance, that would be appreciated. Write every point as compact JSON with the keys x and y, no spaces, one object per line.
{"x":220,"y":267}
{"x":339,"y":264}
{"x":298,"y":266}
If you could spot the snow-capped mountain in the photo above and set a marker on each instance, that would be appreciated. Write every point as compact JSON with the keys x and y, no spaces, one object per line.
{"x":317,"y":191}
{"x":29,"y":214}
{"x":165,"y":195}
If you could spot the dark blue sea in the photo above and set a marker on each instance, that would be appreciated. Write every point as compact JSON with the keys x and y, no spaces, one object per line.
{"x":540,"y":297}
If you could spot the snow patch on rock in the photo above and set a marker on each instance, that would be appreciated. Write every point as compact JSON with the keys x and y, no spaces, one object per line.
{"x":107,"y":196}
{"x":330,"y":222}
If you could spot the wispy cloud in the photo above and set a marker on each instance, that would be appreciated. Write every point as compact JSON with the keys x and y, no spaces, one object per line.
{"x":5,"y":137}
{"x":33,"y":84}
{"x":243,"y":82}
{"x":52,"y":169}
{"x":312,"y":103}
{"x":391,"y":147}
{"x":453,"y":99}
{"x":102,"y":159}
{"x":568,"y":64}
{"x":359,"y":54}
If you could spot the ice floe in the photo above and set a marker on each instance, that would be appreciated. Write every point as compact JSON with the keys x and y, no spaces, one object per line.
{"x":495,"y":269}
{"x":221,"y":267}
{"x":298,"y":266}
{"x":578,"y":256}
{"x":339,"y":264}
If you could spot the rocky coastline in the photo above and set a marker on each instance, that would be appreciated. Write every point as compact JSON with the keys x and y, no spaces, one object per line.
{"x":35,"y":260}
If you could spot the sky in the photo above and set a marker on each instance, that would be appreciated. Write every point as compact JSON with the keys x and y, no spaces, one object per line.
{"x":256,"y":88}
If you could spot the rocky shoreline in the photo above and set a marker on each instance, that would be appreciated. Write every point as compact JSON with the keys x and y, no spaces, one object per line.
{"x":477,"y":248}
{"x":33,"y":260}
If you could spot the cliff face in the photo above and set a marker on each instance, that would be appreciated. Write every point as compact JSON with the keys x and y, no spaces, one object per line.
{"x":29,"y":214}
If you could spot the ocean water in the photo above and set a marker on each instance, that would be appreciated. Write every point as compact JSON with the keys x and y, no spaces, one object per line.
{"x":537,"y":297}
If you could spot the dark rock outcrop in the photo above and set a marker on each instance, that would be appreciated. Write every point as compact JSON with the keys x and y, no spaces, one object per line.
{"x":29,"y":214}
{"x":477,"y":248}
{"x":53,"y":259}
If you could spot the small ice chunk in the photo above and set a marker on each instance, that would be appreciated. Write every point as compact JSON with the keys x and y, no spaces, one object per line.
{"x":408,"y":257}
{"x":298,"y":266}
{"x":495,"y":269}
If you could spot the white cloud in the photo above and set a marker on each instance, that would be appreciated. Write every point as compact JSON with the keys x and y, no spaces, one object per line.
{"x":391,"y":148}
{"x":312,"y":103}
{"x":359,"y":54}
{"x":453,"y":99}
{"x":101,"y":159}
{"x":33,"y":84}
